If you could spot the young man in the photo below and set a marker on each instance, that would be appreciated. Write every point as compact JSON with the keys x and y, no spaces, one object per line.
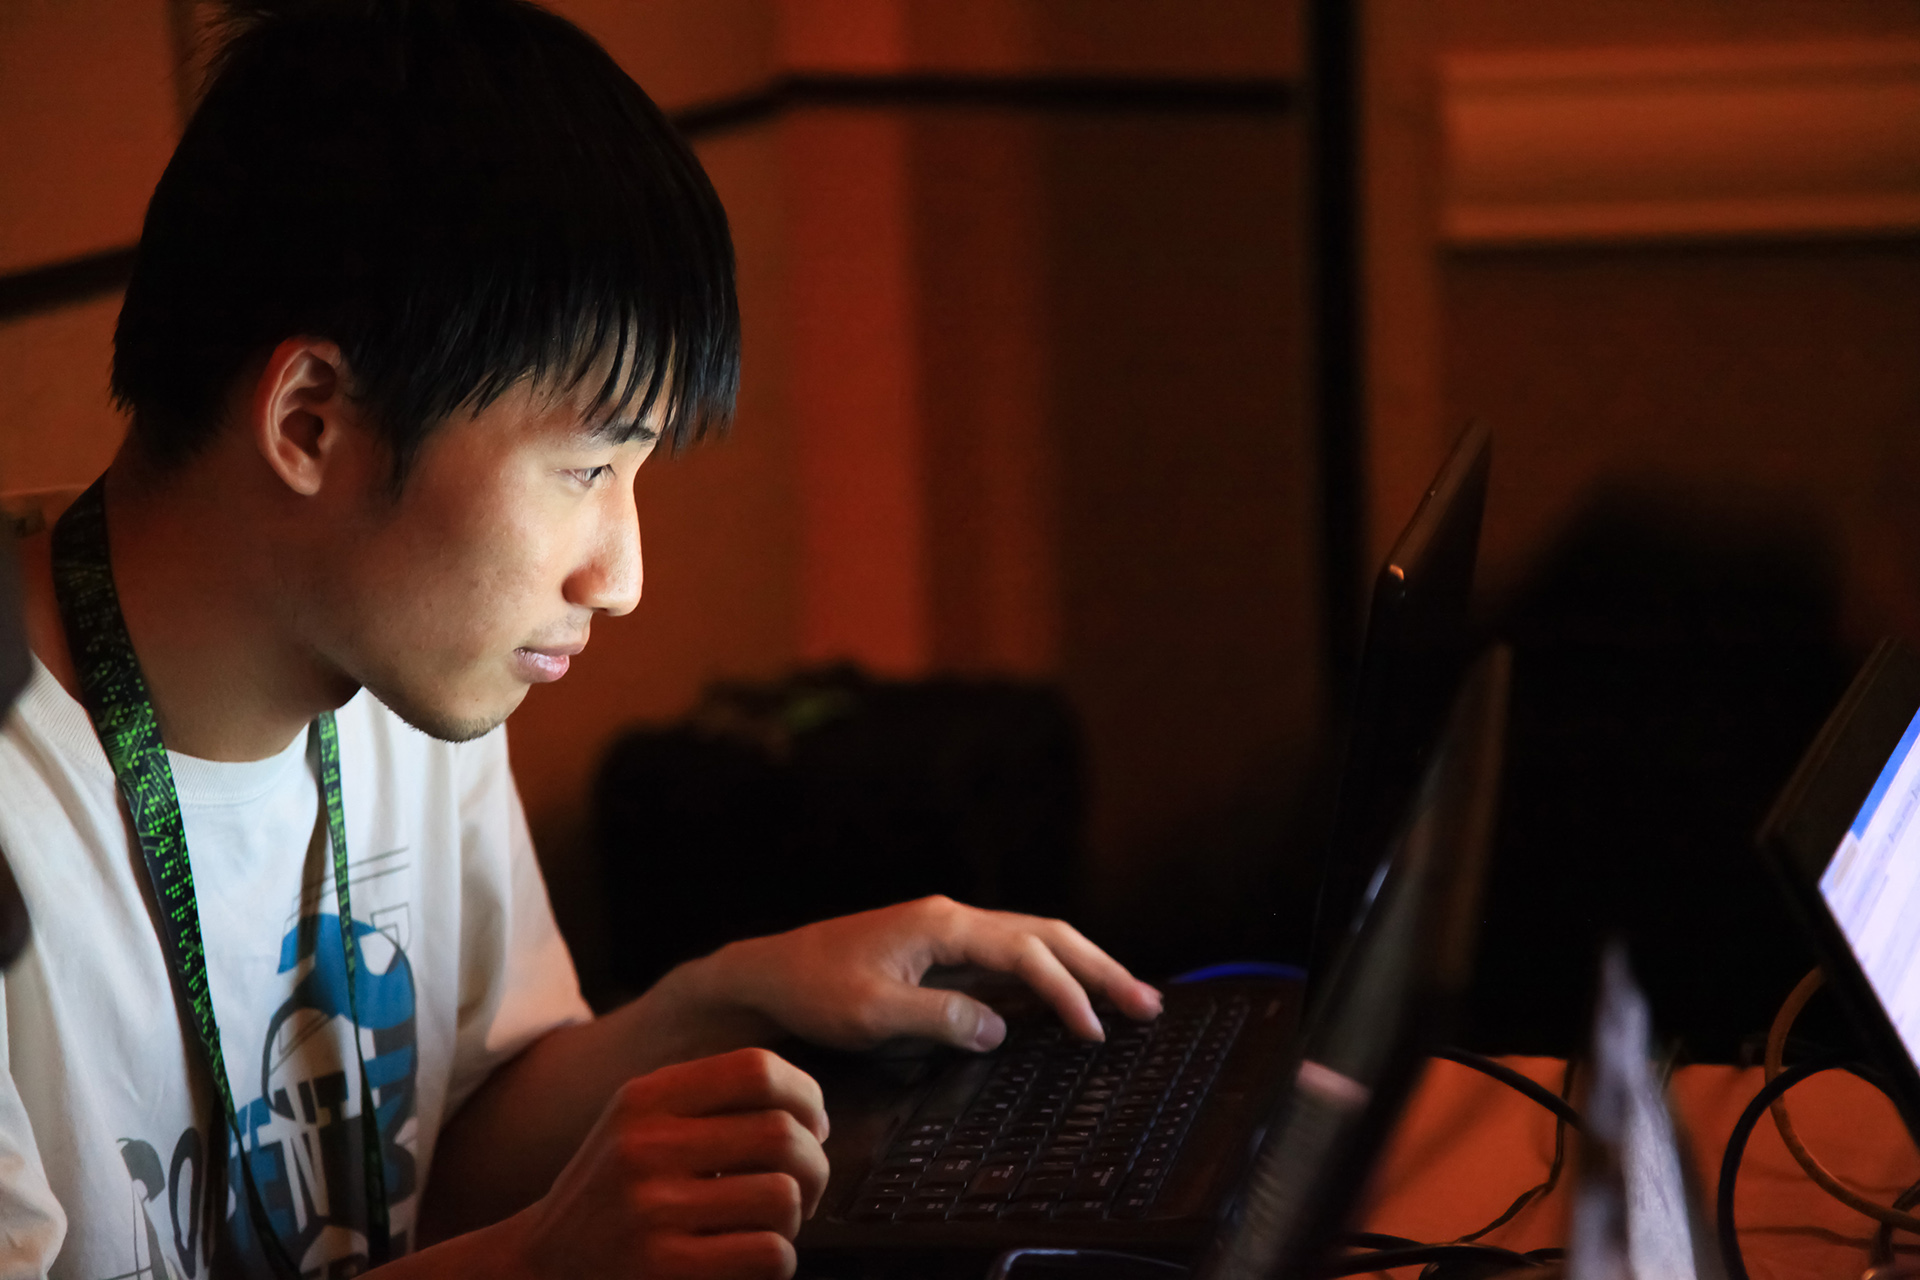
{"x":420,"y":290}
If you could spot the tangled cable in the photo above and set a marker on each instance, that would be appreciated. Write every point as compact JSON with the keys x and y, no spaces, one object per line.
{"x":1776,"y":1051}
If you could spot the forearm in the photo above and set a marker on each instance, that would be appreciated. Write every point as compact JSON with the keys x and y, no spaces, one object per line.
{"x":504,"y":1147}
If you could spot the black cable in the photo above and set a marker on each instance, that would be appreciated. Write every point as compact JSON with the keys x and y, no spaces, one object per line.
{"x":1515,"y":1081}
{"x":1544,"y":1188}
{"x":1356,"y":1264}
{"x":1883,"y":1238}
{"x":1737,"y":1147}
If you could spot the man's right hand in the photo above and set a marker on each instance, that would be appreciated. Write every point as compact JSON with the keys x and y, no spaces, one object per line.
{"x":703,"y":1170}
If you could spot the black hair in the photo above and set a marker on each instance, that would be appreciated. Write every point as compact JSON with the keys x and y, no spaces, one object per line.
{"x":461,"y":194}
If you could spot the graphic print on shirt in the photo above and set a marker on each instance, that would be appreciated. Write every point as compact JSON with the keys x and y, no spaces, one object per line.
{"x":301,"y":1130}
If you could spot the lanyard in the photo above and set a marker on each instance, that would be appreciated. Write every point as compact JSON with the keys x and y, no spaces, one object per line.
{"x":118,"y":703}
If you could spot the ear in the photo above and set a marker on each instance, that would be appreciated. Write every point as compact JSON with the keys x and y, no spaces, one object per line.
{"x":301,"y":415}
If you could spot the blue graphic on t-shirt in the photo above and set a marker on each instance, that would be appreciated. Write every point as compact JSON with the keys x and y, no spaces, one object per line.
{"x":302,"y":1134}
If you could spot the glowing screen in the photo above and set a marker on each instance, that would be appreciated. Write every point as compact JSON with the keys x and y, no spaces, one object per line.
{"x":1872,"y":887}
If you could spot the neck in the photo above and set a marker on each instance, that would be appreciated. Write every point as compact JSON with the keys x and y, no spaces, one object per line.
{"x":194,"y":572}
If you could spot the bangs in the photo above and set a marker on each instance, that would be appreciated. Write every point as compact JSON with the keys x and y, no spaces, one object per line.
{"x":632,"y":375}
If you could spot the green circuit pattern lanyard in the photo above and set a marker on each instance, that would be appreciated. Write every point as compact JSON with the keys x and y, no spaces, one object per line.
{"x":117,"y":701}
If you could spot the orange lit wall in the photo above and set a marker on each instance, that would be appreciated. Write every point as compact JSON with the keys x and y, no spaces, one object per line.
{"x":1753,"y":338}
{"x":89,"y":111}
{"x":1666,"y":242}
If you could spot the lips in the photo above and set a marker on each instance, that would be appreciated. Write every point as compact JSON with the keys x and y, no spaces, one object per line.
{"x":543,"y":664}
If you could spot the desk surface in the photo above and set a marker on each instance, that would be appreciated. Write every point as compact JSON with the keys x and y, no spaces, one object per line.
{"x":1468,"y":1146}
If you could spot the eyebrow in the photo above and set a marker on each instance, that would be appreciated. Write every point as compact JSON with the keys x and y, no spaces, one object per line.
{"x":622,"y":431}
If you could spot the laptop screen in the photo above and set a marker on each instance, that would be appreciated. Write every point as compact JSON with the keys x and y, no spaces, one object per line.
{"x":1415,"y":650}
{"x":1386,"y":1004}
{"x":1872,"y":888}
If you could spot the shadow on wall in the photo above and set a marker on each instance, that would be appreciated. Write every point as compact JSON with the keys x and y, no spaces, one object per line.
{"x":1233,"y":881}
{"x":1676,"y":649}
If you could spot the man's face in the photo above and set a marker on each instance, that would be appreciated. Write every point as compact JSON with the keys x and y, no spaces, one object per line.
{"x":516,"y":526}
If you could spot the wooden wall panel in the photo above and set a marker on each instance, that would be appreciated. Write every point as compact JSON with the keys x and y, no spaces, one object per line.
{"x":1774,"y":376}
{"x":57,"y":427}
{"x":1187,"y":525}
{"x":1812,"y":138}
{"x":89,"y":111}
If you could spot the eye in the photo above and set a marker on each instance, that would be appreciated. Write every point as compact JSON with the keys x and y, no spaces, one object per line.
{"x":587,"y":477}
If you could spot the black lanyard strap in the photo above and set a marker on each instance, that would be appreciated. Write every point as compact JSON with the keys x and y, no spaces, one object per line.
{"x":118,"y":703}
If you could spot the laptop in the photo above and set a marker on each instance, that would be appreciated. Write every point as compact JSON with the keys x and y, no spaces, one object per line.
{"x":1392,"y":998}
{"x":1636,"y":1211}
{"x":1416,"y":646}
{"x":1262,"y":1186}
{"x":1844,"y":843}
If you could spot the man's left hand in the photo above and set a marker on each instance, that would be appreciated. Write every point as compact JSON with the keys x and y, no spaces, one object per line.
{"x":853,"y":982}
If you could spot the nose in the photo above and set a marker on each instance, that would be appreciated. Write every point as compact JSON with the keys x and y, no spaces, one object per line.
{"x":608,"y":579}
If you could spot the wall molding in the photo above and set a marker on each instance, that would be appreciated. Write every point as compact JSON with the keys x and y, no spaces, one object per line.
{"x":53,"y":285}
{"x":889,"y":90}
{"x":1708,"y":142}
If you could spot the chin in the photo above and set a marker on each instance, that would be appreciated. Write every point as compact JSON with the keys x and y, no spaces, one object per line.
{"x":437,"y":720}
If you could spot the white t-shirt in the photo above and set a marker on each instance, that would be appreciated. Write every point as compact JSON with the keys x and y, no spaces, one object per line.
{"x":104,"y":1109}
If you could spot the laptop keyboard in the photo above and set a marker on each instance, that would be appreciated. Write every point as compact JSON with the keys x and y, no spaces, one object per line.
{"x":1053,"y":1127}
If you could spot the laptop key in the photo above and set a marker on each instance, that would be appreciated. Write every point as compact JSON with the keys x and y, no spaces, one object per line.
{"x":949,"y":1172}
{"x":1044,"y":1186}
{"x":925,"y":1209}
{"x":974,"y":1211}
{"x":994,"y":1182}
{"x":1154,"y":1166}
{"x":1080,"y":1209}
{"x":1027,"y":1210}
{"x":876,"y":1209}
{"x":1095,"y":1181}
{"x":915,"y":1162}
{"x":890,"y":1181}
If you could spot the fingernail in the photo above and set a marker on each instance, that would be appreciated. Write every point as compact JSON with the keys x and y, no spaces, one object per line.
{"x":991,"y":1031}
